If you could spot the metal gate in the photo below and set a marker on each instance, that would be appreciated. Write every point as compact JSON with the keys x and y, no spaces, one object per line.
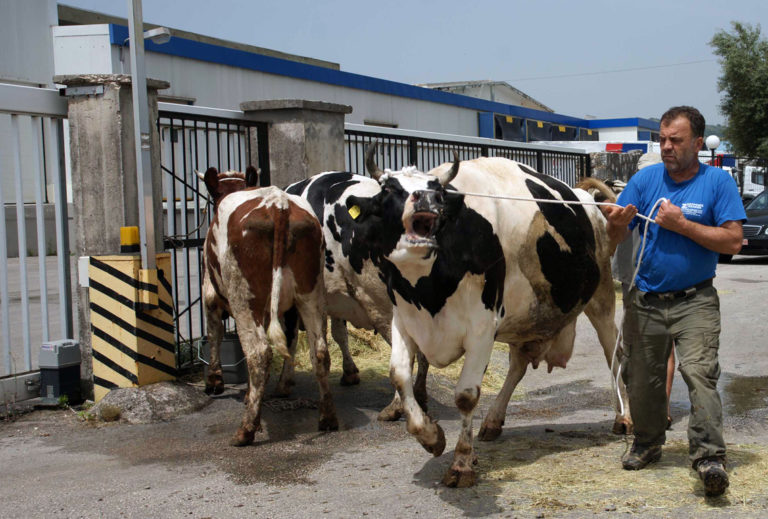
{"x":35,"y":278}
{"x":400,"y":148}
{"x":192,"y":139}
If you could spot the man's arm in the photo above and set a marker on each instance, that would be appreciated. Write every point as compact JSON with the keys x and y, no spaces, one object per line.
{"x":725,"y":239}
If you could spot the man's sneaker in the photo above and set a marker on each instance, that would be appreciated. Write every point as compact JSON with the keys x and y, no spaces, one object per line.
{"x":712,"y":473}
{"x":640,"y":455}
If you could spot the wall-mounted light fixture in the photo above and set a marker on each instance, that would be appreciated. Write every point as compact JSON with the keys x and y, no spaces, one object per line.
{"x":158,"y":35}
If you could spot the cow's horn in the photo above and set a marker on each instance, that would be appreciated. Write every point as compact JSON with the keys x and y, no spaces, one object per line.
{"x":449,"y":175}
{"x":370,"y":163}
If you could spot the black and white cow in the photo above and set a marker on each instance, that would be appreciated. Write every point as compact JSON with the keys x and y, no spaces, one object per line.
{"x":465,"y":271}
{"x":354,"y":290}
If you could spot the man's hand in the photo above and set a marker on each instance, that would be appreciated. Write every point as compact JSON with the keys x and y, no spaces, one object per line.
{"x":671,"y":217}
{"x":618,"y":220}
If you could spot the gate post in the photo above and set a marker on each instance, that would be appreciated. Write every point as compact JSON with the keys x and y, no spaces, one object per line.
{"x":305,"y":137}
{"x":103,"y":165}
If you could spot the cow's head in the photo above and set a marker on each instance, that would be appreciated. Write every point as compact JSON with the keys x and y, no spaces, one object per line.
{"x":221,"y":184}
{"x":417,"y":201}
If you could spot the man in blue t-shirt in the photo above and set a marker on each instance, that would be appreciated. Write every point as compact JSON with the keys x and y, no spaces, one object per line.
{"x":674,"y":303}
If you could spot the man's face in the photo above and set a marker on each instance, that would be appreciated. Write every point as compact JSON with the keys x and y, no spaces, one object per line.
{"x":679,"y":148}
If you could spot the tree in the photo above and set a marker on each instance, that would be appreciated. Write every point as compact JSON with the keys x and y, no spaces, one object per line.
{"x":744,"y":84}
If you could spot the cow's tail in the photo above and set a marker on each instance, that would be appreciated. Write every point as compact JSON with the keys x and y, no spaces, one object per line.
{"x":599,"y":190}
{"x":275,"y":332}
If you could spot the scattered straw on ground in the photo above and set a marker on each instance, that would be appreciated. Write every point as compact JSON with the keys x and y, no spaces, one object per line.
{"x":562,"y":473}
{"x":371,"y":355}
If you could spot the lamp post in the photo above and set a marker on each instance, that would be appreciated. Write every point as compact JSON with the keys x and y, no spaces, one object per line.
{"x":141,"y":135}
{"x":712,"y":142}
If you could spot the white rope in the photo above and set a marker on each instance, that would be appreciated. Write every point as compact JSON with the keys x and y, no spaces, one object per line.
{"x":619,"y":336}
{"x":542,"y":200}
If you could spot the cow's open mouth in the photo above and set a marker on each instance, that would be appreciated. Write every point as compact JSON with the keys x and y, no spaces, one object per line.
{"x":421,"y":229}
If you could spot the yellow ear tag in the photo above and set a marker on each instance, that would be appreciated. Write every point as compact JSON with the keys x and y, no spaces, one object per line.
{"x":354,"y":212}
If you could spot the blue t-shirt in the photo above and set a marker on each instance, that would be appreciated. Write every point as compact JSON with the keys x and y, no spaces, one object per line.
{"x":672,"y":261}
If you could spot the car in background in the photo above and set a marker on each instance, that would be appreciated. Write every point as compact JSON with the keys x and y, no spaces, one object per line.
{"x":755,"y":241}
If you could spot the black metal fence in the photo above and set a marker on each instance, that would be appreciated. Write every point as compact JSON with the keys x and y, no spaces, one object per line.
{"x":191,"y":143}
{"x":396,"y":151}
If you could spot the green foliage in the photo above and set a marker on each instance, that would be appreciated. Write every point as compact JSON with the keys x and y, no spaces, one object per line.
{"x":744,"y":85}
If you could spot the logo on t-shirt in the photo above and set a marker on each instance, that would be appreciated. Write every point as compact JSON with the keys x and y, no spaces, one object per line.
{"x":691,"y":209}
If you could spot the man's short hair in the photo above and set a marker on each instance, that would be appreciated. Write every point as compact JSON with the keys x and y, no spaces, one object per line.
{"x":693,"y":115}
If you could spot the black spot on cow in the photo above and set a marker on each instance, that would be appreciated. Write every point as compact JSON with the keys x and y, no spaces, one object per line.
{"x":329,"y":261}
{"x":573,"y":274}
{"x":298,"y":188}
{"x":326,"y":189}
{"x":528,"y":169}
{"x":330,"y":223}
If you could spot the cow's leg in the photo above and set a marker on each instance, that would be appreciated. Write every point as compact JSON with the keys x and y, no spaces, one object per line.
{"x":427,"y":432}
{"x":350,"y":375}
{"x":494,"y":420}
{"x":394,"y":411}
{"x":214,"y":383}
{"x":420,"y":383}
{"x":291,"y":326}
{"x":460,"y":473}
{"x":258,"y":356}
{"x":600,"y":311}
{"x":314,"y":321}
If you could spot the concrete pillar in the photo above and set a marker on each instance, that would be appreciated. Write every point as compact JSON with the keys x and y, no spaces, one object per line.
{"x":103,"y":163}
{"x":305,"y":137}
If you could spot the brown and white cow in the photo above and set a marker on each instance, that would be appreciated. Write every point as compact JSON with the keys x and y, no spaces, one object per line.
{"x":264,"y":256}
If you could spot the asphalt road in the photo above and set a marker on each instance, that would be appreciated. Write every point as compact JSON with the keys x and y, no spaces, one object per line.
{"x":555,"y":458}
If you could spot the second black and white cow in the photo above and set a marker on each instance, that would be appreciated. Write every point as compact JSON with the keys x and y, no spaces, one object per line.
{"x":354,"y":290}
{"x":465,"y":271}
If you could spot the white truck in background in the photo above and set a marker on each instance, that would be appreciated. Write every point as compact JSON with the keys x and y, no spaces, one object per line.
{"x":752,"y":182}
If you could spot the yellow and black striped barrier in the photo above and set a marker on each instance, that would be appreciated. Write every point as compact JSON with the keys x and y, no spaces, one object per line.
{"x":132,"y":339}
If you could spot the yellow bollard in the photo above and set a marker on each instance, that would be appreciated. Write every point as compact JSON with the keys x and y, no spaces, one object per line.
{"x":133,"y":342}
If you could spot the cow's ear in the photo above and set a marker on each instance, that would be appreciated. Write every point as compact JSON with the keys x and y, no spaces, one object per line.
{"x":362,"y":208}
{"x":358,"y":207}
{"x":251,"y":176}
{"x":211,"y":179}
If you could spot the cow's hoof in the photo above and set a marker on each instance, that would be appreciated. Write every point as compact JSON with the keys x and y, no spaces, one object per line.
{"x":328,"y":424}
{"x":436,"y":448}
{"x":242,"y":438}
{"x":489,"y":432}
{"x":216,"y":390}
{"x":622,"y":428}
{"x":391,"y":413}
{"x":459,"y":477}
{"x":350,"y":379}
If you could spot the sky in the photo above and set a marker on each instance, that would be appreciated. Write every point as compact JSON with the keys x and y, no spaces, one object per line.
{"x":587,"y":58}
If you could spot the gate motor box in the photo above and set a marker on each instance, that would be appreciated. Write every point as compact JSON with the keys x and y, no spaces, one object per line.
{"x":60,"y":371}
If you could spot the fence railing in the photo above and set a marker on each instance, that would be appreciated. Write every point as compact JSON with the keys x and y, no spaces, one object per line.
{"x":193,"y":139}
{"x":399,"y":148}
{"x":35,"y":283}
